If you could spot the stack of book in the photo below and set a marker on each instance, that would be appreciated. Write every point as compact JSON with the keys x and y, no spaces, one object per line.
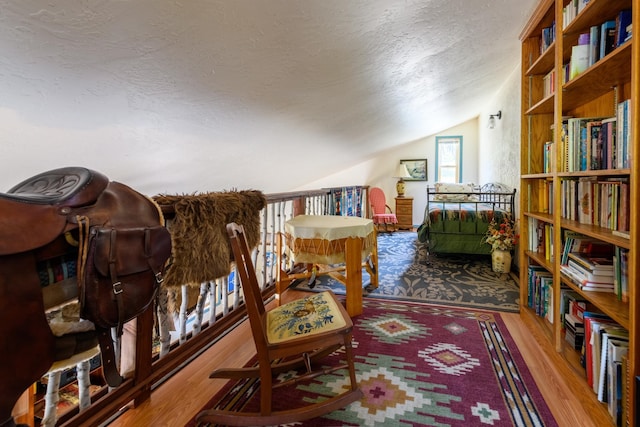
{"x":572,"y":307}
{"x":574,"y":331}
{"x":588,"y":262}
{"x":590,"y":273}
{"x":571,"y":302}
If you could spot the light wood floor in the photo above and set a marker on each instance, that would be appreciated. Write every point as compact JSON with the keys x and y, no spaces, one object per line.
{"x":182,"y":396}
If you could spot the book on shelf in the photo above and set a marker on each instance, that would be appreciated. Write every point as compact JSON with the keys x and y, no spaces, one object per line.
{"x":545,"y":199}
{"x":607,"y":135}
{"x":607,"y":37}
{"x":548,"y":37}
{"x":612,"y":207}
{"x":540,"y":291}
{"x":584,"y":284}
{"x":573,"y":198}
{"x":594,"y":43}
{"x":574,"y":322}
{"x":588,"y":275}
{"x":624,"y":414}
{"x":622,"y":22}
{"x":577,"y":307}
{"x":571,"y":10}
{"x":619,"y":336}
{"x":624,"y":209}
{"x":541,"y":237}
{"x":587,"y":287}
{"x":571,"y":302}
{"x":621,"y":273}
{"x":620,"y":233}
{"x":605,"y":214}
{"x":549,"y":84}
{"x":574,"y":331}
{"x":593,"y":141}
{"x":600,"y":265}
{"x":617,"y":352}
{"x":574,"y":339}
{"x":548,"y":241}
{"x":580,"y":4}
{"x":546,"y":298}
{"x":624,"y":274}
{"x":623,"y":136}
{"x":579,"y":61}
{"x":568,"y":14}
{"x":593,"y":322}
{"x":548,"y":157}
{"x":578,"y":243}
{"x":585,"y":202}
{"x":581,"y":139}
{"x":603,"y":201}
{"x":564,"y":144}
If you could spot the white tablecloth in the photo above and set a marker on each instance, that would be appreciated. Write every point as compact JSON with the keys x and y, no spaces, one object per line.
{"x":320,"y":239}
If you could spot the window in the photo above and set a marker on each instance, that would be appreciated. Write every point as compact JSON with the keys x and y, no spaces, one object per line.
{"x":449,"y":159}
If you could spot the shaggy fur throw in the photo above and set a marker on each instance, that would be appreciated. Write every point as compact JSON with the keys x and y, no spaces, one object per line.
{"x":201,"y":249}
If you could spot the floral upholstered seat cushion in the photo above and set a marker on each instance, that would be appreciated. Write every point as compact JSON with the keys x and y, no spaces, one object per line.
{"x":311,"y":315}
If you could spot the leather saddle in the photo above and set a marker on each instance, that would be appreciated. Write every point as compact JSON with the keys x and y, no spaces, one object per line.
{"x":121,"y":245}
{"x":37,"y":210}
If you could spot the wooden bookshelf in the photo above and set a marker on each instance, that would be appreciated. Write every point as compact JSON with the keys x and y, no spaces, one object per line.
{"x":596,"y":92}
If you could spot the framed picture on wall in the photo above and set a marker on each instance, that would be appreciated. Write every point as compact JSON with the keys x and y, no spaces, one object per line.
{"x":417,"y":169}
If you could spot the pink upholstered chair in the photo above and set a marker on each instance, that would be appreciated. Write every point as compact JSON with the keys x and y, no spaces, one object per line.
{"x":382,"y":214}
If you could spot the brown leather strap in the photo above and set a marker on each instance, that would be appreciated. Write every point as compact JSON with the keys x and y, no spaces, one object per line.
{"x":83,"y":250}
{"x":157,"y":269}
{"x":109,"y":368}
{"x":115,"y":283}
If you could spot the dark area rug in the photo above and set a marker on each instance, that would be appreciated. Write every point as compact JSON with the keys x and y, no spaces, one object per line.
{"x":418,"y":365}
{"x":408,"y":272}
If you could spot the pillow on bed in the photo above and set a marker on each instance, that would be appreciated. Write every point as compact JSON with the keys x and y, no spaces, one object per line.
{"x":442,"y":188}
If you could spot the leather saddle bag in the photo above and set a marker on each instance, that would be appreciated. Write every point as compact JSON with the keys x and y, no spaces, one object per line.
{"x":122,"y":273}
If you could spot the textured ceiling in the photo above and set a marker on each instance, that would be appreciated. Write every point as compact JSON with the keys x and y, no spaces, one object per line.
{"x":265,"y":78}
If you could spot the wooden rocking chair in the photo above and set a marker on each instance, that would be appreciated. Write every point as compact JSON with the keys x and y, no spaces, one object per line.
{"x":279,"y":349}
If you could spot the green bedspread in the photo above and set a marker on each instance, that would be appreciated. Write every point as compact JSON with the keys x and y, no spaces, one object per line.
{"x":458,"y":227}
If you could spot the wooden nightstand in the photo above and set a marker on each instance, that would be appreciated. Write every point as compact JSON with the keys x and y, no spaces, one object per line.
{"x":404,"y":212}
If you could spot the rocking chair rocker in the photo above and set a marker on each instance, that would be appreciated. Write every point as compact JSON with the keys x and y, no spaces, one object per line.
{"x":280,"y":349}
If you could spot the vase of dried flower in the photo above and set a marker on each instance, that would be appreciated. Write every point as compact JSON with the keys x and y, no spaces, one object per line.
{"x":501,"y":261}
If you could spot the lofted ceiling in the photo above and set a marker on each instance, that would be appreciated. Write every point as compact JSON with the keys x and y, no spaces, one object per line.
{"x":209,"y":91}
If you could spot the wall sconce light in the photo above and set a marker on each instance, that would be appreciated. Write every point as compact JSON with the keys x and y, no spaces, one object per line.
{"x":492,"y":119}
{"x":401,"y":173}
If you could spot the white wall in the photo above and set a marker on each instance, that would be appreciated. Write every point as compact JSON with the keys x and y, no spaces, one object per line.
{"x":500,"y":154}
{"x":490,"y":155}
{"x":378,"y":172}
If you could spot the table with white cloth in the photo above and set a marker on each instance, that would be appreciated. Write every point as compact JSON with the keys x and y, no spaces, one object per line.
{"x":339,"y":246}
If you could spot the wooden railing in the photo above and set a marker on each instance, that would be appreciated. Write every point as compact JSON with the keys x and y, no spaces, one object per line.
{"x":223,"y":309}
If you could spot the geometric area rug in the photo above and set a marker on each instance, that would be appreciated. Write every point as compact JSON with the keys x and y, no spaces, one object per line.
{"x":417,"y":365}
{"x":406,"y":271}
